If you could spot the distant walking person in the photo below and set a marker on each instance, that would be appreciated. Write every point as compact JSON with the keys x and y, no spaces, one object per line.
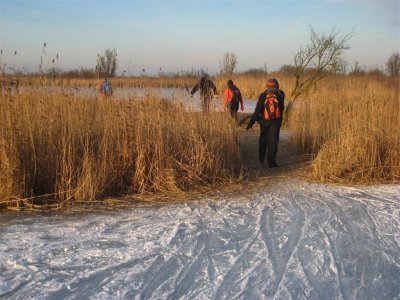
{"x":105,"y":88}
{"x":269,"y":113}
{"x":207,"y":91}
{"x":232,"y":99}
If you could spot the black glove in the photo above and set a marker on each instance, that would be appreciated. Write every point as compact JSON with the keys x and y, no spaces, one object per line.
{"x":249,"y":127}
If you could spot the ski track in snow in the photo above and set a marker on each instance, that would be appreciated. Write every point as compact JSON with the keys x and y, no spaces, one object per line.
{"x":294,"y":240}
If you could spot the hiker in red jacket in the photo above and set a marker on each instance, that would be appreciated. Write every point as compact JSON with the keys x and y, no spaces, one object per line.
{"x":232,"y":99}
{"x":269,"y":113}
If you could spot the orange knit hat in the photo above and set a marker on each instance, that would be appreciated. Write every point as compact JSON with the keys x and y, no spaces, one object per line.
{"x":272,"y":83}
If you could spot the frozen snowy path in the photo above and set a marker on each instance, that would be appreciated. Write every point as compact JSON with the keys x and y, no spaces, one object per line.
{"x":295,"y":240}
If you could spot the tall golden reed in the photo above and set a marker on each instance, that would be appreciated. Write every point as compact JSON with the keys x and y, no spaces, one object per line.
{"x":73,"y":148}
{"x":352,"y":125}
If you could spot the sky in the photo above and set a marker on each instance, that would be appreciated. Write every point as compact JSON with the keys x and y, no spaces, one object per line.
{"x":180,"y":35}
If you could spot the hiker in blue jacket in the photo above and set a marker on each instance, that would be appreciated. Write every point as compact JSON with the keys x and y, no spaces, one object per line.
{"x":105,"y":88}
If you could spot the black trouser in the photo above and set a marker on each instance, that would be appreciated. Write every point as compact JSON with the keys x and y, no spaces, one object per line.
{"x":233,"y":108}
{"x":269,"y":138}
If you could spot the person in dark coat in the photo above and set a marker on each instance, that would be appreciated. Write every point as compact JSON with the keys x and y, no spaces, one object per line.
{"x":207,"y":91}
{"x":269,"y":113}
{"x":232,"y":99}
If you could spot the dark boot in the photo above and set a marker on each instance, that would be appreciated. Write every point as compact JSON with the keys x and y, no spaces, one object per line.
{"x":272,"y":164}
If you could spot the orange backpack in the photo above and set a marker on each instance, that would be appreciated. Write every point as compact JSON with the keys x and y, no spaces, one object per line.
{"x":271,"y":108}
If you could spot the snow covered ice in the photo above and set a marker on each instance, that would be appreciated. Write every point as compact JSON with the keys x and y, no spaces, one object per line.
{"x":293,"y":240}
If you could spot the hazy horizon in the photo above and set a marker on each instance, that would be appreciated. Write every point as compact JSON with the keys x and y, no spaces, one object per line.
{"x":181,"y":35}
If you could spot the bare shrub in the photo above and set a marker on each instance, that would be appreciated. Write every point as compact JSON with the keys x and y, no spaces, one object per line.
{"x":313,"y":62}
{"x":107,"y":63}
{"x":393,"y":64}
{"x":229,"y":63}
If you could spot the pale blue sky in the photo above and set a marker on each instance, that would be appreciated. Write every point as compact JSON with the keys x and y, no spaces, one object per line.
{"x":179,"y":35}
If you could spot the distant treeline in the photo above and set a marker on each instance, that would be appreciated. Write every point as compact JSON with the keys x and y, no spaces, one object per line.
{"x":90,"y":73}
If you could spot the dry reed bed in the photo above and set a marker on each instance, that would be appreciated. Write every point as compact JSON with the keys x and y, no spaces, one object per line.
{"x":352,"y":125}
{"x":250,"y":86}
{"x":120,"y":82}
{"x":57,"y":149}
{"x":78,"y":149}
